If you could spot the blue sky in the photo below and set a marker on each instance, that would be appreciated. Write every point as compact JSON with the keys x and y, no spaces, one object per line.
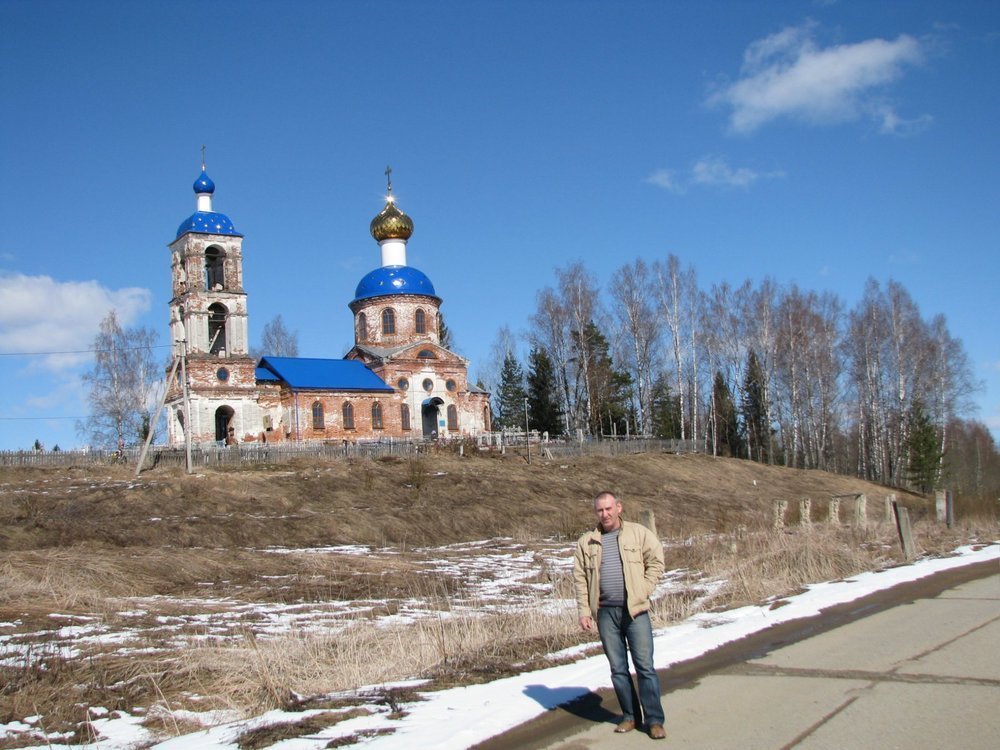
{"x":818,"y":143}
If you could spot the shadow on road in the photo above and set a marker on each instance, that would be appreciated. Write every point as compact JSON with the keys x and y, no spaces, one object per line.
{"x":578,"y":701}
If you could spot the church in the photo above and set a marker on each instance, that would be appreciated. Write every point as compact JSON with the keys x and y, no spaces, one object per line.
{"x":396,"y":382}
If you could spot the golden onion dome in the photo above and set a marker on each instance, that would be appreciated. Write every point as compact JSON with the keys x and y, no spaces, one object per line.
{"x":391,"y":224}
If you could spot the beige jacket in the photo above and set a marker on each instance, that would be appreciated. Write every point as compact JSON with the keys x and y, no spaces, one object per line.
{"x":642,"y":562}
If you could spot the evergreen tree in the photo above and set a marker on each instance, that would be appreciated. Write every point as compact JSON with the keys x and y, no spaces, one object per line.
{"x":755,"y":410}
{"x":511,"y":395}
{"x":666,"y":411}
{"x":609,"y":389}
{"x":444,"y":333}
{"x":544,"y":413}
{"x":725,"y":425}
{"x":924,"y":450}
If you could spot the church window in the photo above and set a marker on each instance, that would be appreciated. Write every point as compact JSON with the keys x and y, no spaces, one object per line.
{"x":317,"y":415}
{"x":217,"y":329}
{"x":421,"y":321}
{"x":362,"y":327}
{"x":215,"y":274}
{"x":403,"y":384}
{"x":486,"y":418}
{"x":452,"y":417}
{"x":404,"y":417}
{"x":450,"y":384}
{"x":388,"y":321}
{"x":376,"y":416}
{"x":428,"y":385}
{"x":348,"y":411}
{"x":426,"y":354}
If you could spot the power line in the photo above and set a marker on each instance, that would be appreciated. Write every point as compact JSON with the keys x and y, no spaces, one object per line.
{"x":43,"y":419}
{"x":84,"y":351}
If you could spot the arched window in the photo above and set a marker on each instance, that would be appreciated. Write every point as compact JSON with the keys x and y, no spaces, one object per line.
{"x":362,"y":327}
{"x":376,"y":416}
{"x":426,"y":354}
{"x":217,"y":329}
{"x":421,"y":321}
{"x":215,"y":274}
{"x":388,"y":320}
{"x":404,"y":417}
{"x":452,"y":417}
{"x":318,"y":415}
{"x":486,"y":418}
{"x":348,"y":411}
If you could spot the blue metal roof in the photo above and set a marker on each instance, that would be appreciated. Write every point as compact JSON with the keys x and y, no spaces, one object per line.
{"x":394,"y":280}
{"x":263,"y":375}
{"x":324,"y":374}
{"x":208,"y":222}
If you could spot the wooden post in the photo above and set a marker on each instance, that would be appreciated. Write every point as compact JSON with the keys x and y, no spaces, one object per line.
{"x":861,"y":510}
{"x":780,"y":507}
{"x":647,"y":519}
{"x":903,"y":527}
{"x":833,"y":515}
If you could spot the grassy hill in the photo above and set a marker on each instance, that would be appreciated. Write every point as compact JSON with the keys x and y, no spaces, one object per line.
{"x":241,"y":588}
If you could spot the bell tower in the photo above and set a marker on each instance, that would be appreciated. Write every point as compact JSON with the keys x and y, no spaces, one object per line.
{"x":208,"y":326}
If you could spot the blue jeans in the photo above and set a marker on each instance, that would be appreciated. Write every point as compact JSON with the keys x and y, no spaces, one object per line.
{"x":621,"y":635}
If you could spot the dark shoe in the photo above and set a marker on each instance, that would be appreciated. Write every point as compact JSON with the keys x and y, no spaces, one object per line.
{"x":657,"y":732}
{"x":626,"y":726}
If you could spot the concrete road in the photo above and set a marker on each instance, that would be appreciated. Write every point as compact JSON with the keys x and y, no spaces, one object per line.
{"x":916,"y":667}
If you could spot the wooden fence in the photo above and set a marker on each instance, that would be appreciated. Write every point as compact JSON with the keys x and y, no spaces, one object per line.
{"x":249,"y":454}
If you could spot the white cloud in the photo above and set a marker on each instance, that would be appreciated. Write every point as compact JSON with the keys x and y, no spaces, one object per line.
{"x":787,"y":75}
{"x":40,"y":314}
{"x":665,"y":178}
{"x":710,"y":171}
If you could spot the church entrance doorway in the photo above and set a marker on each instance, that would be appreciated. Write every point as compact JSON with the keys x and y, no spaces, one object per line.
{"x":225,"y":432}
{"x":430,"y":415}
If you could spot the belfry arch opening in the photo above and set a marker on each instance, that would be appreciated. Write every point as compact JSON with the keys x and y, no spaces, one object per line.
{"x":215,"y":271}
{"x":217,"y":315}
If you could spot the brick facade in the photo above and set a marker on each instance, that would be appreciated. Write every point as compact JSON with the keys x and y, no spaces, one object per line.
{"x":228,"y":400}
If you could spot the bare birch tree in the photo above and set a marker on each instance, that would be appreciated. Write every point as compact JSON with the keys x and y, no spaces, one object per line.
{"x":122,"y":385}
{"x":637,"y":321}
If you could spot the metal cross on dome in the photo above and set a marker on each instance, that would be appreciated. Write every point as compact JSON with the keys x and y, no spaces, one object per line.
{"x":388,"y":179}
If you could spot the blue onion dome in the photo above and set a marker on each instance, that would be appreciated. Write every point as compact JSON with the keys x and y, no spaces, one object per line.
{"x":391,"y":224}
{"x":208,"y":222}
{"x":389,"y":280}
{"x":204,"y":183}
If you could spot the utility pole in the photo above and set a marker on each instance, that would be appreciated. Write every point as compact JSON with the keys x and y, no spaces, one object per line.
{"x":527,"y":444}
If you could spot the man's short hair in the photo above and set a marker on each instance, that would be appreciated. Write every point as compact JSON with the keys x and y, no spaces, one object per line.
{"x":605,"y":493}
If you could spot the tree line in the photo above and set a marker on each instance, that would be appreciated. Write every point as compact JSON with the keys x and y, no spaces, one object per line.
{"x":772,"y":373}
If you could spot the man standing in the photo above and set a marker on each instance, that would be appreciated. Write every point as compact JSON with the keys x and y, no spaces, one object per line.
{"x":615,"y":570}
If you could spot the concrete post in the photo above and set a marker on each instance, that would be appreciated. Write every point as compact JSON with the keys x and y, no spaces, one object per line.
{"x":833,"y":516}
{"x":780,"y":507}
{"x":941,"y":505}
{"x":805,"y":511}
{"x":861,"y":510}
{"x":903,"y":528}
{"x":647,"y":519}
{"x":890,"y":501}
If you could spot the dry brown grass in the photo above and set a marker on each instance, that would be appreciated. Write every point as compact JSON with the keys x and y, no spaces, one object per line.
{"x":90,"y":546}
